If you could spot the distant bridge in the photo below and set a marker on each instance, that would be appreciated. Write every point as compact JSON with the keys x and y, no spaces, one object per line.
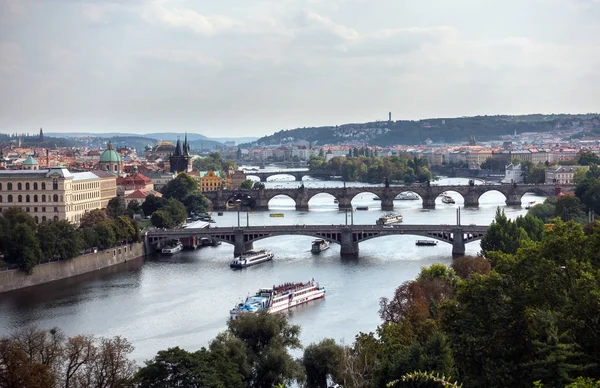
{"x":259,"y":199}
{"x":347,"y":236}
{"x":297,"y":173}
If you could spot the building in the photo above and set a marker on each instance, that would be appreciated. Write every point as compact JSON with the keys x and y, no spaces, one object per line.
{"x":30,"y":164}
{"x":181,"y":161}
{"x":56,"y":193}
{"x":160,"y":179}
{"x":476,"y":158}
{"x":562,"y":175}
{"x":135,"y":187}
{"x":110,"y":160}
{"x":513,"y":174}
{"x":235,"y":179}
{"x":210,"y":181}
{"x":163,"y":150}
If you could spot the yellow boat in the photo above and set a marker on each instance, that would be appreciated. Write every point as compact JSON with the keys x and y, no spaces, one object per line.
{"x":276,"y":214}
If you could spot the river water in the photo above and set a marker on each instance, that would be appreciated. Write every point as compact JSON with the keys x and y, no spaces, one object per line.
{"x":184,"y":300}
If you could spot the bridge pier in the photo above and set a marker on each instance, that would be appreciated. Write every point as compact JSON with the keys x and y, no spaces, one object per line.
{"x":387,"y":204}
{"x":219,"y":204}
{"x":344,"y":203}
{"x":471,"y":200}
{"x":240,"y":247}
{"x":261,"y":204}
{"x":513,"y":200}
{"x":302,"y":204}
{"x":428,"y":202}
{"x":349,"y":247}
{"x":458,"y":242}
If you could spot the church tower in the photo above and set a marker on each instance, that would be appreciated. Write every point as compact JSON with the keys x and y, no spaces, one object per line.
{"x":41,"y":135}
{"x":181,"y":160}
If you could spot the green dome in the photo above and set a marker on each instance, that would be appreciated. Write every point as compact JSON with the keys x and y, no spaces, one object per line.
{"x":30,"y":161}
{"x":110,"y":155}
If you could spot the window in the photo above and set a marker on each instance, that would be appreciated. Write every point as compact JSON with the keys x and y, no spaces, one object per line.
{"x":43,"y":197}
{"x":20,"y":198}
{"x":35,"y":186}
{"x":43,"y":185}
{"x":0,"y":198}
{"x":27,"y":186}
{"x":44,"y":219}
{"x":27,"y":198}
{"x":0,"y":185}
{"x":35,"y":198}
{"x":19,"y":186}
{"x":37,"y":220}
{"x":55,"y":184}
{"x":43,"y":210}
{"x":55,"y":209}
{"x":9,"y":186}
{"x":9,"y":198}
{"x":35,"y":209}
{"x":55,"y":198}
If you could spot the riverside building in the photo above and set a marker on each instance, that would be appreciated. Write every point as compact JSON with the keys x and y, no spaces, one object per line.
{"x":56,"y":193}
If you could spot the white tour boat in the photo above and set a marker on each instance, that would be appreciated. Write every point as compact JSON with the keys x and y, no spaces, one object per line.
{"x":319,"y":246}
{"x":447,"y":199}
{"x":408,"y":196}
{"x":252,"y":258}
{"x":172,"y":248}
{"x":279,"y":298}
{"x":388,"y":219}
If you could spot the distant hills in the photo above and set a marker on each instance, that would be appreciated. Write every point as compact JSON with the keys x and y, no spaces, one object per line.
{"x":439,"y":130}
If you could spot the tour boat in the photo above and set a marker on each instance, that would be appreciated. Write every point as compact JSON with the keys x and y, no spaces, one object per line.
{"x":276,"y":215}
{"x":409,"y":196}
{"x":529,"y":205}
{"x":390,"y":218}
{"x":447,"y":199}
{"x":279,"y":298}
{"x":173,"y":248}
{"x":376,"y":198}
{"x":319,"y":246}
{"x":362,"y":208}
{"x":426,"y":243}
{"x":252,"y":258}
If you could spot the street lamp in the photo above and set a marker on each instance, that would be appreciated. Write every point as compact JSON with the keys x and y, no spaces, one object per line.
{"x":239,"y":205}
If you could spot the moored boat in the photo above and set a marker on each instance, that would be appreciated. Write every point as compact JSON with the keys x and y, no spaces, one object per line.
{"x":447,"y":199}
{"x":408,"y":196}
{"x":376,"y":198}
{"x":276,"y":215}
{"x":172,"y":248}
{"x":319,"y":246}
{"x":251,"y":258}
{"x":390,"y":218}
{"x":362,"y":208}
{"x":279,"y":298}
{"x":426,"y":243}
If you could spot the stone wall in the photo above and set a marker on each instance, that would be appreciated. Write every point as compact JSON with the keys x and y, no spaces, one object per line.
{"x":48,"y":272}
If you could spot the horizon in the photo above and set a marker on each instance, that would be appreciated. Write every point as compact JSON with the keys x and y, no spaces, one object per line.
{"x":249,"y":70}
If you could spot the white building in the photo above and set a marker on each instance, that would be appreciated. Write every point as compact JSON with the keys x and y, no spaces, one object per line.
{"x":513,"y":174}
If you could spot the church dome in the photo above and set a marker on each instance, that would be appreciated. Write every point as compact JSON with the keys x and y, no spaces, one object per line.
{"x":30,"y":161}
{"x":110,"y":155}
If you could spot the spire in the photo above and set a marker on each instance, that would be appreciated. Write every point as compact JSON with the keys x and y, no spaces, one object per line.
{"x":178,"y":150}
{"x":41,"y":135}
{"x":186,"y":146}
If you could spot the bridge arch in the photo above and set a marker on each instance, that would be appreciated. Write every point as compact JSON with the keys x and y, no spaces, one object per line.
{"x":457,"y":197}
{"x":281,"y":201}
{"x":277,"y":177}
{"x":324,"y":201}
{"x":492,"y":197}
{"x":366,"y":198}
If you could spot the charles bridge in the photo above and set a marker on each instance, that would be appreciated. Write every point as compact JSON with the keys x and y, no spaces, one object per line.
{"x":347,"y":236}
{"x":259,"y":199}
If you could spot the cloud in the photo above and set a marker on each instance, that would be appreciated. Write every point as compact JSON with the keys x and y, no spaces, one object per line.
{"x":180,"y":56}
{"x":158,"y":11}
{"x":11,"y":57}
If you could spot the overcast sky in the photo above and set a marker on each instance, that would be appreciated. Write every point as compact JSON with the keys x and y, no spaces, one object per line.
{"x":250,"y":68}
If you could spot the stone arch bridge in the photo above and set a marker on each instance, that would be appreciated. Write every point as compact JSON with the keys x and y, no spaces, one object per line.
{"x":347,"y":236}
{"x":298,"y":174}
{"x":259,"y":199}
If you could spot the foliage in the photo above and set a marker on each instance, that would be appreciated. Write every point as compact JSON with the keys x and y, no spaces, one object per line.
{"x":375,"y":169}
{"x":494,"y":164}
{"x":588,"y":158}
{"x":503,"y":235}
{"x":133,"y":208}
{"x":60,"y":239}
{"x":533,"y":173}
{"x":214,"y":162}
{"x":19,"y":241}
{"x":570,"y":208}
{"x":48,"y":359}
{"x":466,"y":266}
{"x":423,"y":380}
{"x":116,"y":207}
{"x":195,"y":203}
{"x":248,"y":184}
{"x":322,"y":361}
{"x":92,"y":218}
{"x":152,"y":203}
{"x":180,"y":187}
{"x":588,"y":190}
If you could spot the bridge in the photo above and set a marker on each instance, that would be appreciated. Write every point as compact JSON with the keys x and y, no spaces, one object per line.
{"x":259,"y":199}
{"x":347,"y":236}
{"x":297,"y":173}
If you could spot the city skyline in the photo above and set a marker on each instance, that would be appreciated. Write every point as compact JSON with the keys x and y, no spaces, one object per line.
{"x":238,"y":69}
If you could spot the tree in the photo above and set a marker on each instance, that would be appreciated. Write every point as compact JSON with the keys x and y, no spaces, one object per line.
{"x":180,"y":187}
{"x":533,"y":226}
{"x":176,"y":211}
{"x":152,"y":203}
{"x":322,"y":362}
{"x":133,"y":208}
{"x":248,"y":184}
{"x":59,"y":239}
{"x":106,"y":234}
{"x":116,"y":207}
{"x":570,"y":208}
{"x":503,"y":235}
{"x":588,"y":191}
{"x":92,"y":218}
{"x":22,"y":247}
{"x":195,"y":203}
{"x":588,"y":158}
{"x":162,"y":219}
{"x":465,"y":266}
{"x":258,"y":186}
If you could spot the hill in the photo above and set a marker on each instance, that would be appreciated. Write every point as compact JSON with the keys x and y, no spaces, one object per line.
{"x":439,"y":130}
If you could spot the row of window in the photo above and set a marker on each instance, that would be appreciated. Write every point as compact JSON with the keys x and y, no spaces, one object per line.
{"x":44,"y":198}
{"x":28,"y":186}
{"x":87,"y":186}
{"x":35,"y":209}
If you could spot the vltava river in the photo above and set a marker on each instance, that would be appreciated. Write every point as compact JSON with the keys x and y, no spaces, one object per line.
{"x":185,"y":300}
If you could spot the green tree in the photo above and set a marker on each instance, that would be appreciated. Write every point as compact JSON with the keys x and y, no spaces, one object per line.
{"x":533,"y":226}
{"x":106,"y":234}
{"x":248,"y":184}
{"x":503,"y":235}
{"x":180,"y":187}
{"x":588,"y":191}
{"x":195,"y":203}
{"x":588,"y":158}
{"x":162,"y":219}
{"x":544,"y":211}
{"x":176,"y":210}
{"x":321,"y":362}
{"x":23,"y":247}
{"x":570,"y":208}
{"x":92,"y":218}
{"x":59,"y":239}
{"x":116,"y":207}
{"x":152,"y":203}
{"x":133,"y":208}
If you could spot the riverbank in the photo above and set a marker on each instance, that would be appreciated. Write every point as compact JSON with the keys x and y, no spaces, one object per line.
{"x":58,"y":270}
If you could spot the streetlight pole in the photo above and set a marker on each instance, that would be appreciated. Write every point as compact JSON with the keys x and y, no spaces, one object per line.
{"x":239,"y":203}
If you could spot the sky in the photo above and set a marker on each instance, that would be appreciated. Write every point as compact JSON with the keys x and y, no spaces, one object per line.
{"x":251,"y":68}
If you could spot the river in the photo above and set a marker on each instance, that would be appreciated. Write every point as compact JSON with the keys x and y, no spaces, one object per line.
{"x":184,"y":300}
